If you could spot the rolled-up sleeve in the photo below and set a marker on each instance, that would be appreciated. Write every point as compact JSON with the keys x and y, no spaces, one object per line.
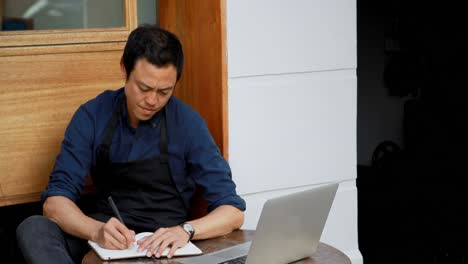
{"x":210,"y":170}
{"x":73,"y":163}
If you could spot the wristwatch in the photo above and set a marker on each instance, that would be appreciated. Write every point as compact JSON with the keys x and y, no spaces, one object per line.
{"x":189,"y":229}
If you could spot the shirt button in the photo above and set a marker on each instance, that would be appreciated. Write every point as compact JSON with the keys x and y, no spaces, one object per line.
{"x":153,"y":125}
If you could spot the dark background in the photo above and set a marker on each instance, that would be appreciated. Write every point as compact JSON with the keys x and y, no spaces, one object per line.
{"x":412,"y":198}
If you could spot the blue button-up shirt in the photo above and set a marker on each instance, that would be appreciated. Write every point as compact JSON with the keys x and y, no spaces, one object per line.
{"x":194,"y":157}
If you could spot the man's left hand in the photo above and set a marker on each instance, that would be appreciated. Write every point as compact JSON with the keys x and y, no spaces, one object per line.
{"x":175,"y":237}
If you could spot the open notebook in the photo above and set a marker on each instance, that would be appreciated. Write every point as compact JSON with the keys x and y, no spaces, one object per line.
{"x":108,"y":254}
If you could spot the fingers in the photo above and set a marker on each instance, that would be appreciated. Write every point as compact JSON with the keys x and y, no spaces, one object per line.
{"x":127,"y":235}
{"x":164,"y":238}
{"x":113,"y":243}
{"x":169,"y":240}
{"x":154,"y":241}
{"x":116,"y":235}
{"x":174,"y":247}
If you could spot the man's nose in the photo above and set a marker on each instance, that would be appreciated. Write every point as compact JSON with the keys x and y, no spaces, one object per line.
{"x":152,"y":98}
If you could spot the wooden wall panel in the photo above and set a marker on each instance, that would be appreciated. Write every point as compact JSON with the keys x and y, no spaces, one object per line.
{"x":200,"y":26}
{"x":38,"y":96}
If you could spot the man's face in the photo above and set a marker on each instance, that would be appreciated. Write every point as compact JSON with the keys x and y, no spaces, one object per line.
{"x":148,"y":89}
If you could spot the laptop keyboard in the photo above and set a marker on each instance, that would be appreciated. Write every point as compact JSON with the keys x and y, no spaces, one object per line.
{"x":239,"y":260}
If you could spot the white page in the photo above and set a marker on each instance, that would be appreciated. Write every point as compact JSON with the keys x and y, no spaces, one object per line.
{"x":107,"y":254}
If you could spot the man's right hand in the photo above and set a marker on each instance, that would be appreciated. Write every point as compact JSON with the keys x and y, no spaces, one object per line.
{"x":114,"y":235}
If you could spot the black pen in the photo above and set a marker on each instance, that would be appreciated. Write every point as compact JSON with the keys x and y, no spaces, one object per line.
{"x":114,"y":208}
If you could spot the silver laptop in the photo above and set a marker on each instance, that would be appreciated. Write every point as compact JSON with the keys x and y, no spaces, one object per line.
{"x":289,"y":229}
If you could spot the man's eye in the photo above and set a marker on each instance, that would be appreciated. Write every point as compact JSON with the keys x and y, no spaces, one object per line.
{"x":163,"y":92}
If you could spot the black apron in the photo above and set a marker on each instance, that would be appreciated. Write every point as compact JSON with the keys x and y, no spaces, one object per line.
{"x":143,"y":190}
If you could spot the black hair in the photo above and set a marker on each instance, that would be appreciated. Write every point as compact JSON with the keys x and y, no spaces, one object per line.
{"x":160,"y":47}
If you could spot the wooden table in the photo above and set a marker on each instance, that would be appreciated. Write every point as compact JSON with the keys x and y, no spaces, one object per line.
{"x":325,"y":254}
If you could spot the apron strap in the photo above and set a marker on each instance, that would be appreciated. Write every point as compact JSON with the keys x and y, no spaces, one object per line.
{"x":104,"y":148}
{"x":163,"y":139}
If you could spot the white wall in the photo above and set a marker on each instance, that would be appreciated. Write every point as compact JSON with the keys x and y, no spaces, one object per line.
{"x":292,"y":105}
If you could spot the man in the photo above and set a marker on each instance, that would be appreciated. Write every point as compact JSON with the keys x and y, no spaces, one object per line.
{"x":148,"y":151}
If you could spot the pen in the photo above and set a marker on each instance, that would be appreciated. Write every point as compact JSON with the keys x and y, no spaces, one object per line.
{"x":114,"y":208}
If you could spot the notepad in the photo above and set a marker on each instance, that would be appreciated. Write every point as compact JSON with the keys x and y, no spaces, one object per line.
{"x":109,"y":254}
